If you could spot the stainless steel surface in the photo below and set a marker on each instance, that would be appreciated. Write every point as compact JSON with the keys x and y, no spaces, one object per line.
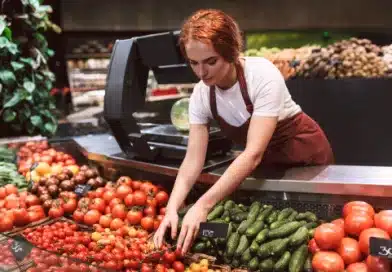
{"x":331,"y":180}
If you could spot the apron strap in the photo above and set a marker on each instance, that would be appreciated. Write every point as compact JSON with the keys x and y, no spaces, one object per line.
{"x":213,"y":107}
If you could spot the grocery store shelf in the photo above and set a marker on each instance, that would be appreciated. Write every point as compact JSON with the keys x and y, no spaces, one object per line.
{"x":87,"y":55}
{"x":332,"y":179}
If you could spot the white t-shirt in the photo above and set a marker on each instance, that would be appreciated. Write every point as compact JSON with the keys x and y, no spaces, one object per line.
{"x":266,"y":88}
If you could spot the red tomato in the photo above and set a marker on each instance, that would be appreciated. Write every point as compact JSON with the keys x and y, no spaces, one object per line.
{"x":6,"y":222}
{"x":98,"y":204}
{"x":150,"y":211}
{"x":119,"y":211}
{"x":160,"y":268}
{"x":92,"y":217}
{"x":78,"y":216}
{"x":21,"y":217}
{"x":383,"y":220}
{"x":162,"y":211}
{"x":108,"y":196}
{"x":136,"y":184}
{"x":349,"y":251}
{"x":128,"y":200}
{"x":48,"y":159}
{"x":365,"y":236}
{"x":3,"y":193}
{"x":56,"y":212}
{"x":328,"y":236}
{"x":105,"y":221}
{"x":147,"y":223}
{"x":123,"y":190}
{"x":32,"y":200}
{"x":376,"y":264}
{"x":139,"y":198}
{"x":125,"y":179}
{"x":162,"y":197}
{"x":339,"y":222}
{"x":355,"y":223}
{"x":360,"y":206}
{"x":116,"y":224}
{"x":114,"y":202}
{"x":70,"y":162}
{"x":134,"y":217}
{"x":327,"y":261}
{"x":178,"y":266}
{"x":146,"y":268}
{"x":357,"y":267}
{"x":70,"y":205}
{"x":11,"y":189}
{"x":169,"y":257}
{"x":313,"y":247}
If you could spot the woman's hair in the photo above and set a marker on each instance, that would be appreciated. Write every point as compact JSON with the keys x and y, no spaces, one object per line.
{"x":215,"y":27}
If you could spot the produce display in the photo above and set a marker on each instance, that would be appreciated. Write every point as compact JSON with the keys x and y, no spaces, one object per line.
{"x":343,"y":59}
{"x":9,"y":175}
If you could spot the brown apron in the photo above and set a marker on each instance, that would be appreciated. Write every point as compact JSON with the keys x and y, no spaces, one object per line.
{"x":297,"y":141}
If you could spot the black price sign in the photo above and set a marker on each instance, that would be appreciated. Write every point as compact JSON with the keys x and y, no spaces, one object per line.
{"x":213,"y":230}
{"x":20,"y":248}
{"x":82,"y":189}
{"x":380,"y":247}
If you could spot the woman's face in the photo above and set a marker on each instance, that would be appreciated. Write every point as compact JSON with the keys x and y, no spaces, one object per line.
{"x":207,"y":64}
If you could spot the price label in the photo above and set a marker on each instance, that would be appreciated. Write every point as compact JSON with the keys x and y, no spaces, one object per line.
{"x":82,"y":189}
{"x":380,"y":247}
{"x":213,"y":230}
{"x":20,"y":248}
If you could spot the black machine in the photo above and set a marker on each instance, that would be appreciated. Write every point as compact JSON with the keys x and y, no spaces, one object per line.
{"x":130,"y":63}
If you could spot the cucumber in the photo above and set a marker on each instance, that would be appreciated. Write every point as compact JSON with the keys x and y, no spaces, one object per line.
{"x":235,"y":263}
{"x":272,"y":217}
{"x":311,"y":232}
{"x":254,"y":229}
{"x":311,"y":225}
{"x":262,"y":236}
{"x":310,"y":217}
{"x":239,"y":217}
{"x":278,"y":223}
{"x":254,"y":211}
{"x":244,"y":226}
{"x":308,"y":264}
{"x":218,"y":220}
{"x":229,"y":230}
{"x":199,"y":247}
{"x":243,"y":207}
{"x":182,"y":212}
{"x":215,"y":213}
{"x":292,"y":216}
{"x":225,"y":214}
{"x":246,"y":256}
{"x":253,"y":265}
{"x":267,"y":265}
{"x":226,"y":259}
{"x":285,"y":213}
{"x":230,"y":204}
{"x":299,"y":237}
{"x":242,"y":246}
{"x":221,"y":241}
{"x":265,"y":249}
{"x":279,"y":248}
{"x":300,"y":216}
{"x":284,"y":230}
{"x":298,"y":259}
{"x":227,"y":219}
{"x":283,"y":263}
{"x":232,"y":244}
{"x":254,"y":246}
{"x":265,"y":213}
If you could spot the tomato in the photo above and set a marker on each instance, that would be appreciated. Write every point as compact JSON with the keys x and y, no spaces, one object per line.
{"x":98,"y":204}
{"x":114,"y":202}
{"x":150,"y":211}
{"x":365,"y":236}
{"x":110,"y":265}
{"x":32,"y":200}
{"x":376,"y":264}
{"x":327,"y":261}
{"x":136,"y":184}
{"x":328,"y":236}
{"x":78,"y":216}
{"x":11,"y":189}
{"x":125,"y":180}
{"x":313,"y":247}
{"x":169,"y":257}
{"x":47,"y":159}
{"x":349,"y":251}
{"x":139,"y":198}
{"x":123,"y":190}
{"x":178,"y":266}
{"x":84,"y":203}
{"x":156,"y":224}
{"x":70,"y":162}
{"x":35,"y":216}
{"x":105,"y":221}
{"x":146,"y":268}
{"x":3,"y":193}
{"x":128,"y":200}
{"x":339,"y":222}
{"x":21,"y":217}
{"x":56,"y":212}
{"x":91,"y":217}
{"x":162,"y":211}
{"x":359,"y":206}
{"x":6,"y":222}
{"x":162,"y":197}
{"x":99,"y":192}
{"x":116,"y":224}
{"x":160,"y":268}
{"x":357,"y":267}
{"x":11,"y":203}
{"x":119,"y":211}
{"x":355,"y":223}
{"x":70,"y":205}
{"x":147,"y":223}
{"x":383,"y":220}
{"x":151,"y":201}
{"x":108,"y":196}
{"x":134,"y":216}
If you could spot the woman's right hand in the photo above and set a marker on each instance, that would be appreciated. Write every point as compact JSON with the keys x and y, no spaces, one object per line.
{"x":169,"y":221}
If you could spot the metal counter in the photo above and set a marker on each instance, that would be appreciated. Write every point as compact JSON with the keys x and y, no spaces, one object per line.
{"x":369,"y":181}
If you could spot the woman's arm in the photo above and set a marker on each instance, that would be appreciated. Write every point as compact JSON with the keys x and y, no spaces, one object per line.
{"x":259,"y":134}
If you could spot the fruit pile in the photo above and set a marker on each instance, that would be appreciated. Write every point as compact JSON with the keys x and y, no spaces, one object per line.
{"x":344,"y":243}
{"x":387,"y":51}
{"x":261,"y":237}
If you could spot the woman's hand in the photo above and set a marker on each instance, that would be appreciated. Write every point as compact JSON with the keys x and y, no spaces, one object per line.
{"x":190,"y":226}
{"x":170,"y":220}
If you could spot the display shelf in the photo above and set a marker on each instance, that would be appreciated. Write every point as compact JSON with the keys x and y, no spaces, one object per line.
{"x":87,"y":55}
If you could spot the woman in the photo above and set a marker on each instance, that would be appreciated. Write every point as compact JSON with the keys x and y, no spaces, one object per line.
{"x":249,"y":99}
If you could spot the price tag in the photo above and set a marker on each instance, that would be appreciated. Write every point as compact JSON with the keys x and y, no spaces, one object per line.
{"x":213,"y":230}
{"x":380,"y":247}
{"x":20,"y":248}
{"x":82,"y":189}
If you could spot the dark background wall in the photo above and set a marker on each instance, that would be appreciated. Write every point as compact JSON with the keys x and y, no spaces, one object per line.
{"x":147,"y":15}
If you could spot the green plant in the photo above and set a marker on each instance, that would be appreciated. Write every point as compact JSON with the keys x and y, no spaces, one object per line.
{"x":25,"y":79}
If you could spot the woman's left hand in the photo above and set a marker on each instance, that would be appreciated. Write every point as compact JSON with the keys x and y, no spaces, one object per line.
{"x":190,"y":226}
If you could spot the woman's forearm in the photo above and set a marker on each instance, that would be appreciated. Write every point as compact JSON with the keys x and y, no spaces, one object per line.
{"x":239,"y":169}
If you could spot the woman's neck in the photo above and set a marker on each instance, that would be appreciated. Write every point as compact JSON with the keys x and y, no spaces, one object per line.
{"x":229,"y":80}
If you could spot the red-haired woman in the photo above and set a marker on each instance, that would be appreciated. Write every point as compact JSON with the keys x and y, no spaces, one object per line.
{"x":252,"y":105}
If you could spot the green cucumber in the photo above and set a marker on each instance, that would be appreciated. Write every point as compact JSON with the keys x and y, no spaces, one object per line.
{"x":284,"y":230}
{"x":283,"y":263}
{"x":230,"y":204}
{"x":262,"y":236}
{"x":254,"y":211}
{"x":265,"y":213}
{"x":299,"y":237}
{"x":265,"y":249}
{"x":232,"y":244}
{"x":285,"y":213}
{"x":235,"y":263}
{"x":244,"y":226}
{"x":272,"y":217}
{"x":253,"y":265}
{"x":292,"y":216}
{"x":298,"y":259}
{"x":215,"y":213}
{"x":311,"y":225}
{"x":254,"y":229}
{"x":308,"y":264}
{"x":242,"y":246}
{"x":246,"y":256}
{"x":311,"y":217}
{"x":267,"y":265}
{"x":199,"y":247}
{"x":278,"y":223}
{"x":279,"y":248}
{"x":254,"y":246}
{"x":239,"y":217}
